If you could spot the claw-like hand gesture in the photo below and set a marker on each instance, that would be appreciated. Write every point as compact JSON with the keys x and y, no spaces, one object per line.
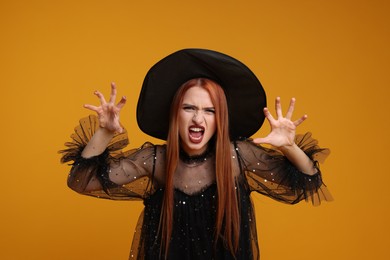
{"x":108,"y":113}
{"x":282,"y":129}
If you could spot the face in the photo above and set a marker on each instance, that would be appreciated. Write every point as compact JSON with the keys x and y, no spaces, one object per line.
{"x":196,"y":120}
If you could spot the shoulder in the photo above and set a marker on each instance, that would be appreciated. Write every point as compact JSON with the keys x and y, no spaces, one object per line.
{"x":244,"y":143}
{"x":157,"y":151}
{"x":160,"y":150}
{"x":247,"y":149}
{"x":151,"y":146}
{"x":147,"y":150}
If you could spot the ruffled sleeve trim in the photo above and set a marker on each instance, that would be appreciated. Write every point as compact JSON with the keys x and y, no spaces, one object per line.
{"x":311,"y":187}
{"x":113,"y":174}
{"x":269,"y":172}
{"x":81,"y":136}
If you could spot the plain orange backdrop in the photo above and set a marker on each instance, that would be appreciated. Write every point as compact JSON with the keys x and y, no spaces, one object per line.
{"x":333,"y":56}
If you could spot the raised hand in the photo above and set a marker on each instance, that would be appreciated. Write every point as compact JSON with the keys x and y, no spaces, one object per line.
{"x":283,"y":128}
{"x":108,"y":112}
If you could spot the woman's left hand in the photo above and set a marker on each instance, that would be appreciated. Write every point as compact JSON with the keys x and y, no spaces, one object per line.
{"x":283,"y":128}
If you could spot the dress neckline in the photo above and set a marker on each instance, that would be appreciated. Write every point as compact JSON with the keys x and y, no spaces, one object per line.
{"x":195,"y":159}
{"x":198,"y":193}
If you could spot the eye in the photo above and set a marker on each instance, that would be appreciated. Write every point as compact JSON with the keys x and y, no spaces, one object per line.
{"x":188,"y":108}
{"x":210,"y":111}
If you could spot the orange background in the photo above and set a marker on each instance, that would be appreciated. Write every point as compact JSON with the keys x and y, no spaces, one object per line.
{"x":333,"y":56}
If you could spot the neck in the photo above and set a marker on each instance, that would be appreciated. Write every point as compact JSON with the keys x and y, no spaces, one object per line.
{"x":196,"y":158}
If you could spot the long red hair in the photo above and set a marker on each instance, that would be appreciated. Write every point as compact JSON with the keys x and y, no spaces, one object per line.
{"x":227,"y":217}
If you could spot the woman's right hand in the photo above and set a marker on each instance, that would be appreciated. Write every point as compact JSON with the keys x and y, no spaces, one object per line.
{"x":108,"y":113}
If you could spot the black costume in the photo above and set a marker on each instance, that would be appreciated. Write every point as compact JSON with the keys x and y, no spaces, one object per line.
{"x":139,"y":174}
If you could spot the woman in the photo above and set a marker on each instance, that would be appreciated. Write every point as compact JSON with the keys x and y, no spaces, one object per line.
{"x":196,"y":188}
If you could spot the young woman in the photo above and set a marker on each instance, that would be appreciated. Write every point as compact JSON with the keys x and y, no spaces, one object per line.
{"x":196,"y":187}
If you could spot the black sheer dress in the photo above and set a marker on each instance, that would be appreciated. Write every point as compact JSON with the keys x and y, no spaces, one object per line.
{"x":139,"y":175}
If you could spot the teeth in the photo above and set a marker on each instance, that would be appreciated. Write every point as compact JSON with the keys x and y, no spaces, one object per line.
{"x":195,"y":129}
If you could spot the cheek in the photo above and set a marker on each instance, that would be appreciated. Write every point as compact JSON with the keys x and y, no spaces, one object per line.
{"x":212,"y":124}
{"x":182,"y":124}
{"x":180,"y":119}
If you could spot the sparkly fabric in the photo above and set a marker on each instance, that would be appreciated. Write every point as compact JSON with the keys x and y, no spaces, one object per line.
{"x":139,"y":174}
{"x":193,"y":235}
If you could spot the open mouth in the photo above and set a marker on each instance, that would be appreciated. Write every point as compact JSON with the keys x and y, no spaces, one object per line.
{"x":196,"y":134}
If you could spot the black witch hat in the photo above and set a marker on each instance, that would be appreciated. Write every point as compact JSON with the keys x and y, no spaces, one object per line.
{"x":244,"y":93}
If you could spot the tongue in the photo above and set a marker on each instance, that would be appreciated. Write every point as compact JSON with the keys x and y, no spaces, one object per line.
{"x":196,"y":134}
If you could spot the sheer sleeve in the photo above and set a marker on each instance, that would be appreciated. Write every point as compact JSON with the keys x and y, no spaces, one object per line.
{"x":270,"y":173}
{"x":114,"y":174}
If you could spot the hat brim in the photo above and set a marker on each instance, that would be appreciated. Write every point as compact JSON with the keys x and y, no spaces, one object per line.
{"x":245,"y":95}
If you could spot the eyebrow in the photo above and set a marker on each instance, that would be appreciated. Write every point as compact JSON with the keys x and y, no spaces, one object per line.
{"x":189,"y":105}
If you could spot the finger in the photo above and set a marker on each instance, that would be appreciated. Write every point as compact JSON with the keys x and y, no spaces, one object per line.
{"x":113,"y":93}
{"x":121,"y":103}
{"x":290,"y":109}
{"x":278,"y":107}
{"x":300,"y":120}
{"x":268,"y":115}
{"x":101,"y":97}
{"x":91,"y":107}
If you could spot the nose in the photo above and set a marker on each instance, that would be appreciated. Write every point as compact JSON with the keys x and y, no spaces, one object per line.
{"x":197,"y":118}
